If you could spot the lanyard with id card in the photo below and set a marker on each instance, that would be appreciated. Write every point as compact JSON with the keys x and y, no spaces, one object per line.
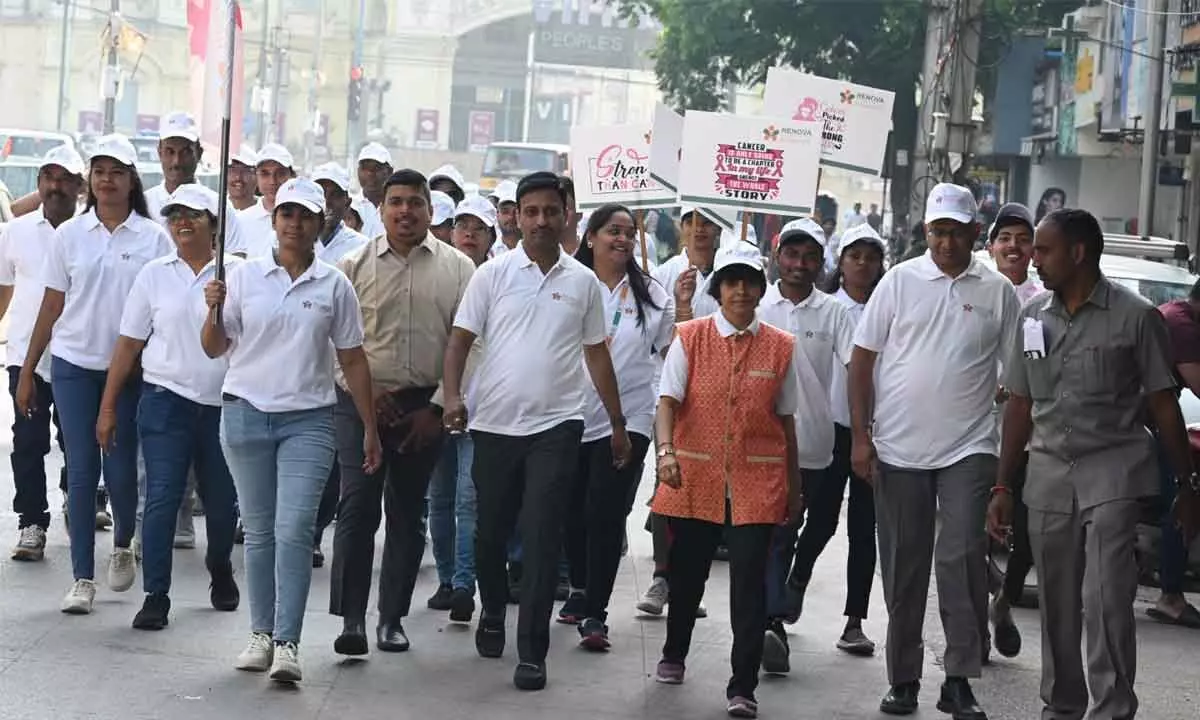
{"x":616,"y":319}
{"x":1033,"y":339}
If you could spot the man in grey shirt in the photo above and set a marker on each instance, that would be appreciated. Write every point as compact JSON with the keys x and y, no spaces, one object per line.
{"x":1090,"y":362}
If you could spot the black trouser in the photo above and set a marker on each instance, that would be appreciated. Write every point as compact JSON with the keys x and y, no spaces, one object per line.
{"x":824,"y":492}
{"x":693,"y":543}
{"x":400,"y":484}
{"x":327,"y":510}
{"x":599,"y":506}
{"x":1020,"y":560}
{"x":523,"y":482}
{"x":31,"y":444}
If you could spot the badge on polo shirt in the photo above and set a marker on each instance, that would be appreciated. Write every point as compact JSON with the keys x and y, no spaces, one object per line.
{"x":1033,"y":338}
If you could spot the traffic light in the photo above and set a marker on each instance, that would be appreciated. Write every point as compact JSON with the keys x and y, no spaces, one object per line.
{"x":354,"y":106}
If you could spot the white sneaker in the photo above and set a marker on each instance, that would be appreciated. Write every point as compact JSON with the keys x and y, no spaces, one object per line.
{"x":31,"y":546}
{"x":122,"y":569}
{"x":185,"y":540}
{"x":257,"y":656}
{"x":286,"y":667}
{"x":79,"y":600}
{"x":655,"y":598}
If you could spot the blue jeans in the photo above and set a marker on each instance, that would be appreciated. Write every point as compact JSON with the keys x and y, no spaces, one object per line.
{"x":175,"y":433}
{"x":77,"y":392}
{"x":280,"y":462}
{"x":452,"y":514}
{"x":1173,"y":554}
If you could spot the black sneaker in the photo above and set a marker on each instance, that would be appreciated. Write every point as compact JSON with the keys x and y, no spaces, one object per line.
{"x":489,"y":637}
{"x":153,"y":615}
{"x":223,"y":591}
{"x":530,"y":676}
{"x":462,"y":605}
{"x":594,"y":635}
{"x":775,"y":659}
{"x":440,"y":600}
{"x":574,"y":610}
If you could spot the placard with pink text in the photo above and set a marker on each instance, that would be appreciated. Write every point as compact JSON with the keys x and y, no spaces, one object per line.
{"x":611,"y":164}
{"x":749,"y":163}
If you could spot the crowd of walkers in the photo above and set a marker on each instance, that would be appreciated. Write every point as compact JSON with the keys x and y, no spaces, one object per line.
{"x":496,"y":371}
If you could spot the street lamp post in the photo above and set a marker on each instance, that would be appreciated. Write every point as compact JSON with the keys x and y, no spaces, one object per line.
{"x":112,"y":71}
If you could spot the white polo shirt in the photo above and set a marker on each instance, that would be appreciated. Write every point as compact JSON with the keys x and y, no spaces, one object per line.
{"x":344,"y":241}
{"x":499,"y":248}
{"x":634,"y":350}
{"x":666,"y":274}
{"x":839,"y":398}
{"x":156,"y":200}
{"x":257,"y":230}
{"x":940,"y":341}
{"x":372,"y":222}
{"x":824,"y":336}
{"x":533,"y":327}
{"x":23,"y":245}
{"x":282,"y":358}
{"x":95,"y":270}
{"x":166,"y":310}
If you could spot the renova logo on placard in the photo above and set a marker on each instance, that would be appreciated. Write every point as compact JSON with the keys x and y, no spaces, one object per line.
{"x":770,"y":133}
{"x":619,"y":169}
{"x":794,"y":134}
{"x":862,"y":99}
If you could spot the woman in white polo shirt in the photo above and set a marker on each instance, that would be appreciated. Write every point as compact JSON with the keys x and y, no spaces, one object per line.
{"x":283,"y":317}
{"x":640,"y":317}
{"x":179,"y":414}
{"x":89,"y":267}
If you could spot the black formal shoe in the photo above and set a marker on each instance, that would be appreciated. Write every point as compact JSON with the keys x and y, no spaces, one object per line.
{"x":153,"y":615}
{"x":353,"y":640}
{"x":489,"y":637}
{"x":318,"y":558}
{"x":1008,"y":637}
{"x":958,"y":701}
{"x":440,"y":600}
{"x":223,"y":590}
{"x":901,"y":699}
{"x":530,"y":676}
{"x":462,"y":605}
{"x":390,"y":637}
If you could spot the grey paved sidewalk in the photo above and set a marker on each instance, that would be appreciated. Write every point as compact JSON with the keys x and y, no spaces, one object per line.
{"x":55,"y":667}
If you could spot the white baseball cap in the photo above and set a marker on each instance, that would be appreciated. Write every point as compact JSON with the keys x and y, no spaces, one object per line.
{"x":375,"y":151}
{"x":804,"y":226}
{"x":863,"y":233}
{"x":302,"y":192}
{"x":443,"y":207}
{"x":334,"y":173}
{"x":66,"y":157}
{"x":246,"y":156}
{"x":194,"y":196}
{"x":950,"y":202}
{"x":505,"y":192}
{"x":178,"y":125}
{"x":478,"y":206}
{"x":116,"y":147}
{"x":451,"y":173}
{"x":276,"y":153}
{"x":738,"y":253}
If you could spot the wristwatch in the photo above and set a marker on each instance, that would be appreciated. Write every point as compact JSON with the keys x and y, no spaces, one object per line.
{"x":665,"y":451}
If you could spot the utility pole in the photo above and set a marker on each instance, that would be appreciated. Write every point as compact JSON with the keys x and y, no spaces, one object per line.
{"x":314,"y":111}
{"x":260,"y":90}
{"x":112,"y":71}
{"x":1157,"y":17}
{"x":945,"y":128}
{"x":64,"y":64}
{"x":279,"y":71}
{"x":354,"y":116}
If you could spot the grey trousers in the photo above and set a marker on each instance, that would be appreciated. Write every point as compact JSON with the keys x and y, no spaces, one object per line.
{"x":907,"y":504}
{"x":1086,"y":559}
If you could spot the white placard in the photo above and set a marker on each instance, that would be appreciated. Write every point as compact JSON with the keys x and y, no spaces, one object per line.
{"x":854,"y":119}
{"x":611,"y":165}
{"x":666,"y":143}
{"x":750,"y":163}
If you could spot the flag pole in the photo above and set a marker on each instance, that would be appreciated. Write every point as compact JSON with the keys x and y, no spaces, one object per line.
{"x":231,"y":14}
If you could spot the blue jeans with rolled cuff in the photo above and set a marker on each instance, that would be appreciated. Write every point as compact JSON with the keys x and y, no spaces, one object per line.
{"x":77,"y":392}
{"x":452,"y":514}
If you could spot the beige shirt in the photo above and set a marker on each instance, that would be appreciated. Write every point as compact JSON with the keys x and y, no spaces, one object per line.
{"x":408,"y":307}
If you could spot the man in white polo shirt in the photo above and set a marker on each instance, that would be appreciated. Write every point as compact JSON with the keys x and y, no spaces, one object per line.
{"x":374,"y":169}
{"x":449,"y":179}
{"x":275,"y":167}
{"x":505,"y":197}
{"x":925,"y":436}
{"x":686,"y":275}
{"x":337,"y":239}
{"x":824,"y":336}
{"x":23,"y":245}
{"x":540,"y":314}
